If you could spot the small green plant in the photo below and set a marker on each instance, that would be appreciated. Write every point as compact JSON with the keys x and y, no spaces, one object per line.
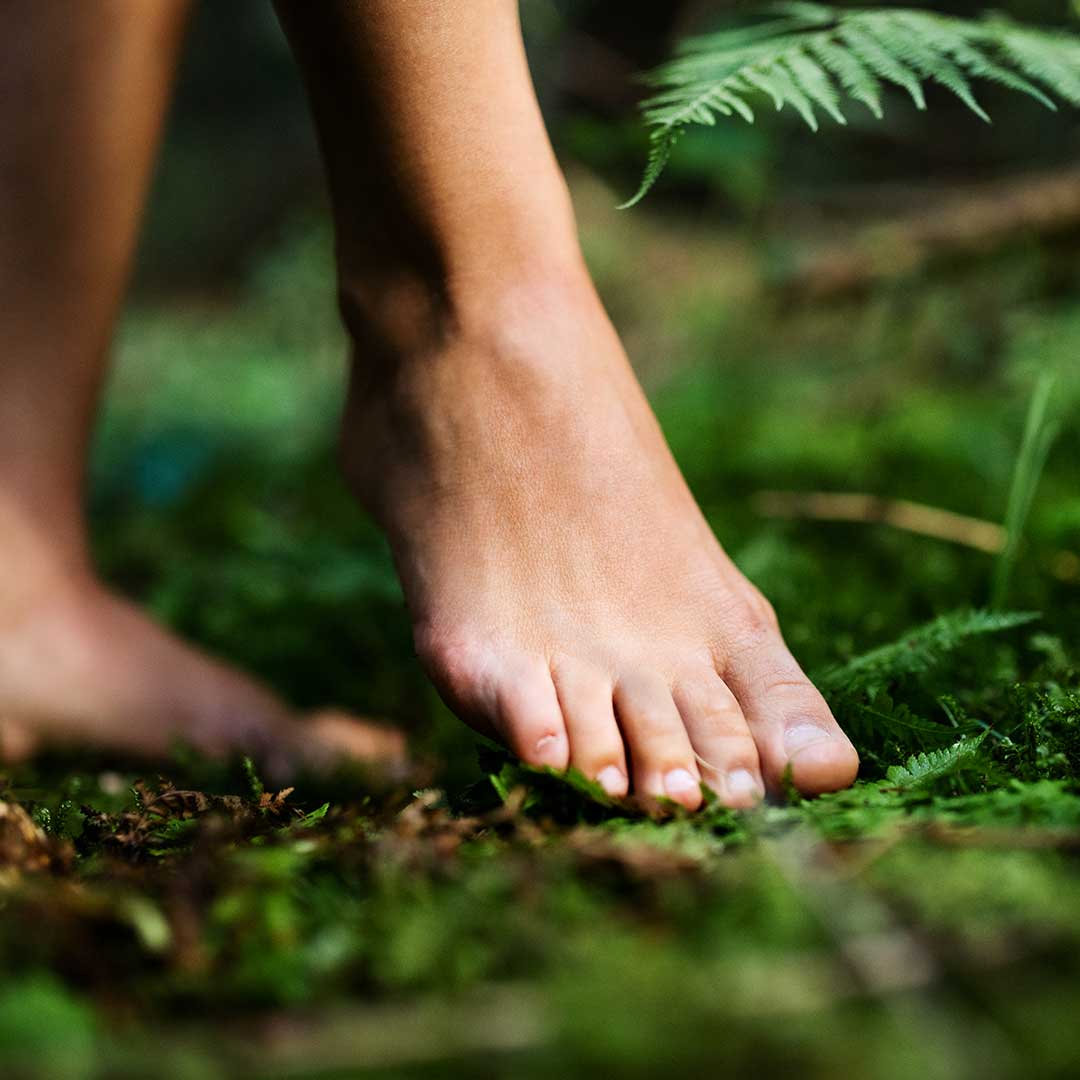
{"x":918,"y":651}
{"x":922,"y":770}
{"x":1040,"y":431}
{"x":812,"y":56}
{"x":255,"y":784}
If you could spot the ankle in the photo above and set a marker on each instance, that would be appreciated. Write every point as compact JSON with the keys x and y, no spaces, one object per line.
{"x":412,"y":319}
{"x":40,"y":550}
{"x":416,"y":275}
{"x":416,"y":381}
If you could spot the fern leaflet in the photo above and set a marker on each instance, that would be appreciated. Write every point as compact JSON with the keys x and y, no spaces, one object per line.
{"x":810,"y":57}
{"x":921,"y":770}
{"x":919,"y":651}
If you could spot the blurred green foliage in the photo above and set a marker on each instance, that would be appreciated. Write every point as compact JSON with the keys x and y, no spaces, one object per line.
{"x":924,"y":923}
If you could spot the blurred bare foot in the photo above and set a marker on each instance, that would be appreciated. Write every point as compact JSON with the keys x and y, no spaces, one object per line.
{"x":81,"y":667}
{"x":85,"y":90}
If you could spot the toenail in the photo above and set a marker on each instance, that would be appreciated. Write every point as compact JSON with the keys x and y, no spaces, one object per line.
{"x":741,"y":782}
{"x":612,"y":780}
{"x":545,"y":742}
{"x":802,"y":735}
{"x":679,"y":781}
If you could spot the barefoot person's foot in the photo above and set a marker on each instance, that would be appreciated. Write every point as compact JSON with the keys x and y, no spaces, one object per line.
{"x":566,"y":592}
{"x":78,"y":665}
{"x":82,"y":667}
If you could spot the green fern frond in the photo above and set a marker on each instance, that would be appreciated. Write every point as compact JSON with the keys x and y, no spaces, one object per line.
{"x":660,"y":148}
{"x":779,"y":85}
{"x":1054,"y":63}
{"x":852,"y":74}
{"x":881,"y":61}
{"x":811,"y":57}
{"x":815,"y":83}
{"x":921,"y":770}
{"x":919,"y":651}
{"x":967,"y":50}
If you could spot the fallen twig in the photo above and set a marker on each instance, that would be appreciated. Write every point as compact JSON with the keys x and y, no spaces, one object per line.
{"x":965,"y":223}
{"x":873,"y":509}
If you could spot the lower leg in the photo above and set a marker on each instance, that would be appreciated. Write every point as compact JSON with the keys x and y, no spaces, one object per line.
{"x":83,"y":90}
{"x":567,"y":594}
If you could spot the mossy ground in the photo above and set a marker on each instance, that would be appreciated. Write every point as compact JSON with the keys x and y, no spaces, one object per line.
{"x":924,"y":923}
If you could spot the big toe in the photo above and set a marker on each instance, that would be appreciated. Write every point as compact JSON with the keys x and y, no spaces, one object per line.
{"x":820,"y":756}
{"x":792,"y":725}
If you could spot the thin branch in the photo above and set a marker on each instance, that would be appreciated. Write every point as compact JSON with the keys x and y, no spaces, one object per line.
{"x":911,"y":517}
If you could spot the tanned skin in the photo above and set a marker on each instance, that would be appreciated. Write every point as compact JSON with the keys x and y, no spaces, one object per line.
{"x":83,"y":92}
{"x":566,"y":593}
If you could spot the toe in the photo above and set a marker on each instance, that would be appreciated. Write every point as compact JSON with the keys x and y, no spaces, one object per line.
{"x":662,"y":759}
{"x":17,"y":741}
{"x":528,"y":716}
{"x":596,"y":746}
{"x":790,"y":721}
{"x":321,"y":742}
{"x":344,"y":735}
{"x":721,"y":738}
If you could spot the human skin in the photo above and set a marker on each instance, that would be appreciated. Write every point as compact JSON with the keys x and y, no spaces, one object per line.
{"x":83,"y":91}
{"x":566,"y":593}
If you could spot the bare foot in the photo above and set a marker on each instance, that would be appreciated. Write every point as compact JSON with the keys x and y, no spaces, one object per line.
{"x":82,"y":667}
{"x":567,"y":594}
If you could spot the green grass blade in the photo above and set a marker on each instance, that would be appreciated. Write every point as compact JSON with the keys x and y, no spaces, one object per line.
{"x":1040,"y":431}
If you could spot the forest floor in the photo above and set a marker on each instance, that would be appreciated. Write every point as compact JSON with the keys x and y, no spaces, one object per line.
{"x":474,"y":918}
